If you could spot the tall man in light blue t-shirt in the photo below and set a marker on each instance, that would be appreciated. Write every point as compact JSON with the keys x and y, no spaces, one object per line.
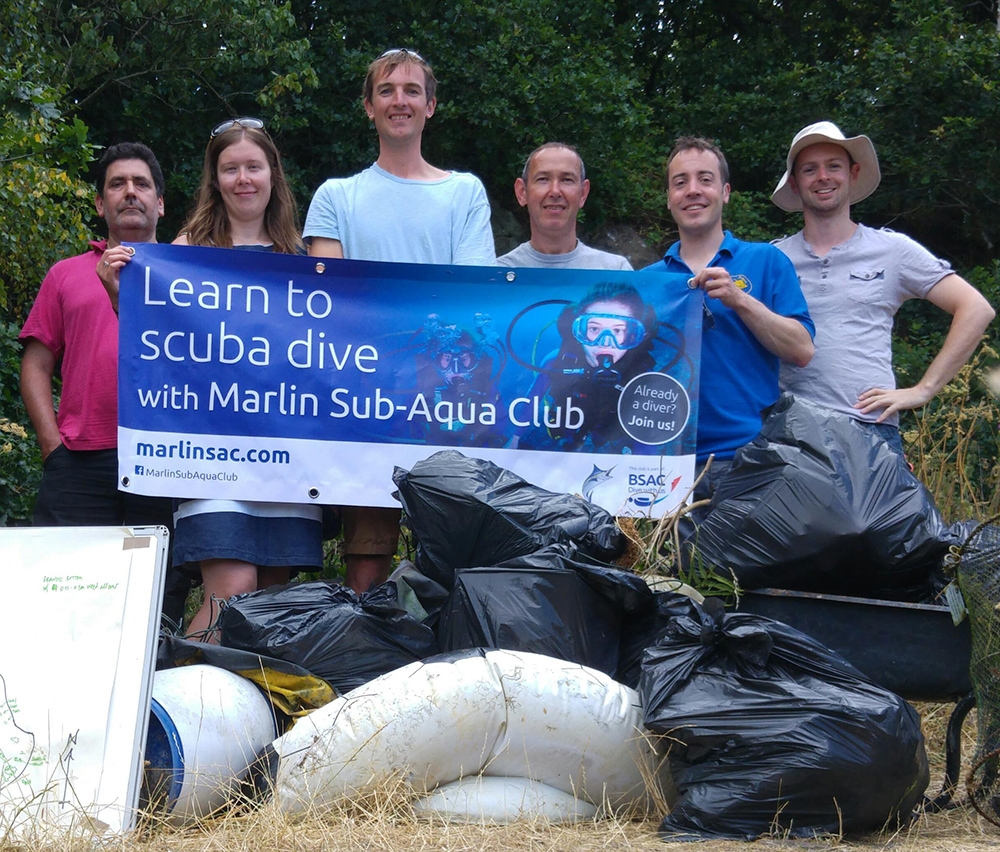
{"x":400,"y":209}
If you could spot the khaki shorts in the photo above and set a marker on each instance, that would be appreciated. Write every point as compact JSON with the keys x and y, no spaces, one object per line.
{"x":370,"y":531}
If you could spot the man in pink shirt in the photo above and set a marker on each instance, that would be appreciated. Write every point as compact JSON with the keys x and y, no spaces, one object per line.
{"x":72,"y":329}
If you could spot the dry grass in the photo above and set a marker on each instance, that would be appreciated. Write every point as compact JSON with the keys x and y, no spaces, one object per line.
{"x":954,"y":446}
{"x":385,"y":823}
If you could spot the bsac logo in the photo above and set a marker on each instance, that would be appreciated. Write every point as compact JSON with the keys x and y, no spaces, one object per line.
{"x":743,"y":283}
{"x":648,"y":489}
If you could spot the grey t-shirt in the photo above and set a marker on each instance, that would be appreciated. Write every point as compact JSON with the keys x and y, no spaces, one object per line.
{"x":853,"y":294}
{"x":581,"y":257}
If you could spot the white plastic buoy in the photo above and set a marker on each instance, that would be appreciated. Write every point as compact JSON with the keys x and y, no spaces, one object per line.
{"x":485,"y":799}
{"x":493,"y":714}
{"x":206,"y":727}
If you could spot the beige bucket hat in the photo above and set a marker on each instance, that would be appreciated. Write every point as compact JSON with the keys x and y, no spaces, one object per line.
{"x":860,"y":148}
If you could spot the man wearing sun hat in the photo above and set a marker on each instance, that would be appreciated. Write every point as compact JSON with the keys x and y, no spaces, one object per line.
{"x":855,"y":278}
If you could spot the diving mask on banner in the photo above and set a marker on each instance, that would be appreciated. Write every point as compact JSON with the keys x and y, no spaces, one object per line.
{"x":610,"y":330}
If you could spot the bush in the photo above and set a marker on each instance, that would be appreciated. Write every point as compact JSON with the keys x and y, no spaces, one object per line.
{"x":20,"y":472}
{"x":20,"y":457}
{"x":955,"y":446}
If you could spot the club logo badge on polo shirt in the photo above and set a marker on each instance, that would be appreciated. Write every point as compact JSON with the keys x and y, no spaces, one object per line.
{"x":743,"y":283}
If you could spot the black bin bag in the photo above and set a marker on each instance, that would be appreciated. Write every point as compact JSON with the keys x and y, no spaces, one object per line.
{"x":818,"y":503}
{"x":643,"y":629}
{"x":555,"y":601}
{"x":328,"y":630}
{"x":467,"y":512}
{"x":768,"y":731}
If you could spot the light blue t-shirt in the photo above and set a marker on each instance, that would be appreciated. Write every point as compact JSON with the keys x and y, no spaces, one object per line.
{"x":378,"y":216}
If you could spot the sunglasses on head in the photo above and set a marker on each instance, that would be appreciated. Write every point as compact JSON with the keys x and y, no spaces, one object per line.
{"x":249,"y":123}
{"x":404,"y":50}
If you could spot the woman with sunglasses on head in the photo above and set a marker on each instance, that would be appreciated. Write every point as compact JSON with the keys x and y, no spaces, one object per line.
{"x":244,"y":202}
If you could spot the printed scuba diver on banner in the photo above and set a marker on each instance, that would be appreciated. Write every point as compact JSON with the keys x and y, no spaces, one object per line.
{"x":454,"y":371}
{"x":464,"y":386}
{"x":608,"y":341}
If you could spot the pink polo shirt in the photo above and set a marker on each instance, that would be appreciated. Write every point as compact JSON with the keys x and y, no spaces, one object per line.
{"x":72,"y":316}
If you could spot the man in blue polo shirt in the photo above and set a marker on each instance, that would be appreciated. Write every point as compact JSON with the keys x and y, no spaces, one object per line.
{"x":759,"y":314}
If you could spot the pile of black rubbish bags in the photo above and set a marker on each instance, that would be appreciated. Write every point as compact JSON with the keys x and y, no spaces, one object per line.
{"x":764,"y":728}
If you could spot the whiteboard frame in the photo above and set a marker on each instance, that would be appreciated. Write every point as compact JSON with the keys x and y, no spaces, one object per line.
{"x":82,"y":610}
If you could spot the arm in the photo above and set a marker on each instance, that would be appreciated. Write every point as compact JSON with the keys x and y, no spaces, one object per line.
{"x":38,"y":365}
{"x":785,"y":337}
{"x":324,"y":247}
{"x":322,"y":230}
{"x":971,"y":313}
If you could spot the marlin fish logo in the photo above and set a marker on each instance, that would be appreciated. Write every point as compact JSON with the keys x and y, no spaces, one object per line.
{"x":597,"y":477}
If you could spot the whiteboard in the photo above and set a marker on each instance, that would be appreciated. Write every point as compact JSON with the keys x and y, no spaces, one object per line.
{"x":79,"y":612}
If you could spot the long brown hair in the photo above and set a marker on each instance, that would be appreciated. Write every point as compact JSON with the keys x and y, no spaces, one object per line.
{"x":208,"y":223}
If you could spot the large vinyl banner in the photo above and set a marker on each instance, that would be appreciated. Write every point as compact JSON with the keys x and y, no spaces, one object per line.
{"x":249,"y":375}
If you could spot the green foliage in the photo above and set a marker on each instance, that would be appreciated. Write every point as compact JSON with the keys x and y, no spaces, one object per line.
{"x":709,"y":580}
{"x":43,"y":201}
{"x":986,"y":279}
{"x":164,"y":72}
{"x":920,"y":330}
{"x":931,"y":118}
{"x":41,"y":219}
{"x":20,"y":458}
{"x":511,"y":76}
{"x":748,"y":215}
{"x":920,"y":77}
{"x":618,"y":79}
{"x":43,"y":204}
{"x":954,"y":444}
{"x":20,"y":473}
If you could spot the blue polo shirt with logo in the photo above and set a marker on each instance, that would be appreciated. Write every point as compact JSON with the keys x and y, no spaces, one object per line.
{"x":739,"y":377}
